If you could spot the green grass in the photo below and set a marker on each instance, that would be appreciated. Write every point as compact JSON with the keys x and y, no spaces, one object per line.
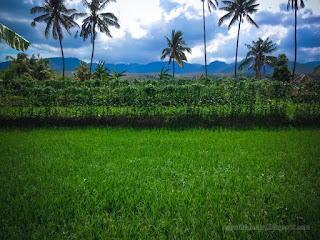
{"x":107,"y":183}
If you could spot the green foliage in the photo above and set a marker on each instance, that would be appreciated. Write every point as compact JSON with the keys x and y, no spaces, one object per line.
{"x":176,"y":49}
{"x":163,"y":75}
{"x":13,"y":39}
{"x":117,"y":76}
{"x":101,"y":72}
{"x":280,"y":70}
{"x":200,"y":102}
{"x":29,"y":68}
{"x":257,"y":57}
{"x":82,"y":72}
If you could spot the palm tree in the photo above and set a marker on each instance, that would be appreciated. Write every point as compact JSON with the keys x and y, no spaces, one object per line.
{"x":238,"y":10}
{"x":175,"y":50}
{"x":102,"y":21}
{"x":21,"y":63}
{"x":294,"y":6}
{"x":212,"y":5}
{"x":56,"y":16}
{"x":257,"y":56}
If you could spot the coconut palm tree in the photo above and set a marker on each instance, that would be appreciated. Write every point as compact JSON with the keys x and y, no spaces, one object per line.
{"x":257,"y":56}
{"x":237,"y":11}
{"x":56,"y":16}
{"x":175,"y":50}
{"x":213,"y":5}
{"x":102,"y":21}
{"x":293,"y":4}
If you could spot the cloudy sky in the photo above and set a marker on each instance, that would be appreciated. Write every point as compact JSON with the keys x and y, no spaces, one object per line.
{"x":145,"y":23}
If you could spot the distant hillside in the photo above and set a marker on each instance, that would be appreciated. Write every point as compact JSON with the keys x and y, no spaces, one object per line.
{"x":214,"y":67}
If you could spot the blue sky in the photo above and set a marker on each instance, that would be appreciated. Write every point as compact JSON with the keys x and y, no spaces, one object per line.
{"x":145,"y":23}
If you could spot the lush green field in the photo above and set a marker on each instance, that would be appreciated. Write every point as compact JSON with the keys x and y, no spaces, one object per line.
{"x":104,"y":183}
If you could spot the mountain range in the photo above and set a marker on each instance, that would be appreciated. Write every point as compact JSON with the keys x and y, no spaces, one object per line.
{"x":213,"y":67}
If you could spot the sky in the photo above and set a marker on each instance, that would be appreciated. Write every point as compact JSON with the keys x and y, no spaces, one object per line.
{"x":145,"y":23}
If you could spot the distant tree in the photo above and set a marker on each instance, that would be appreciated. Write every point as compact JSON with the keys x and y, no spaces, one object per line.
{"x":175,"y":50}
{"x":293,"y":4}
{"x":280,"y":69}
{"x":82,"y":72}
{"x":13,"y":39}
{"x":213,"y":5}
{"x":257,"y":56}
{"x":41,"y":69}
{"x":56,"y":16}
{"x":96,"y":20}
{"x":238,"y":10}
{"x":20,"y":64}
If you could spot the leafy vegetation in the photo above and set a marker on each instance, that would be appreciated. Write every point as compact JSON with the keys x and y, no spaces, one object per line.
{"x":257,"y":56}
{"x":13,"y":39}
{"x":194,"y":102}
{"x":281,"y":70}
{"x":118,"y":183}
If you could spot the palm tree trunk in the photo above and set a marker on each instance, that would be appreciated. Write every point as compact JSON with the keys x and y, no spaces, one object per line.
{"x":204,"y":39}
{"x":295,"y":40}
{"x":63,"y":68}
{"x":173,"y":69}
{"x":235,"y":67}
{"x":92,"y":55}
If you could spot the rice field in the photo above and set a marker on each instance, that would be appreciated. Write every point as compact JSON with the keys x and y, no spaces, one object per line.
{"x":125,"y":183}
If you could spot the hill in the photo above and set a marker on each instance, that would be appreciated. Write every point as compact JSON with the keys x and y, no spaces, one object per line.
{"x":213,"y":67}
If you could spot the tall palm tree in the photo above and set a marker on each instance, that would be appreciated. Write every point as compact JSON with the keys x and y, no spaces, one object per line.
{"x":257,"y":56}
{"x":213,"y":5}
{"x":175,"y":50}
{"x":56,"y":16}
{"x":238,"y":10}
{"x":293,"y":4}
{"x":102,"y":21}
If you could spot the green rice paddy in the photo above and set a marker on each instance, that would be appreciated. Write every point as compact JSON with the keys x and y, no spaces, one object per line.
{"x":123,"y":183}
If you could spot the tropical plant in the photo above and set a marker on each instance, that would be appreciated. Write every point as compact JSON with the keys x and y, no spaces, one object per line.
{"x":117,"y":76}
{"x":213,"y":5}
{"x":40,"y":68}
{"x":237,"y":11}
{"x":293,"y":4}
{"x":13,"y":39}
{"x":82,"y":72}
{"x":20,"y":64}
{"x":101,"y":71}
{"x":56,"y":16}
{"x":164,"y":74}
{"x":175,"y":50}
{"x":280,"y":69}
{"x":257,"y":57}
{"x":102,"y":21}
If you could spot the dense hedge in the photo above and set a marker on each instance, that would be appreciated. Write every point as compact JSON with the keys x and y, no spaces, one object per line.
{"x":226,"y":99}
